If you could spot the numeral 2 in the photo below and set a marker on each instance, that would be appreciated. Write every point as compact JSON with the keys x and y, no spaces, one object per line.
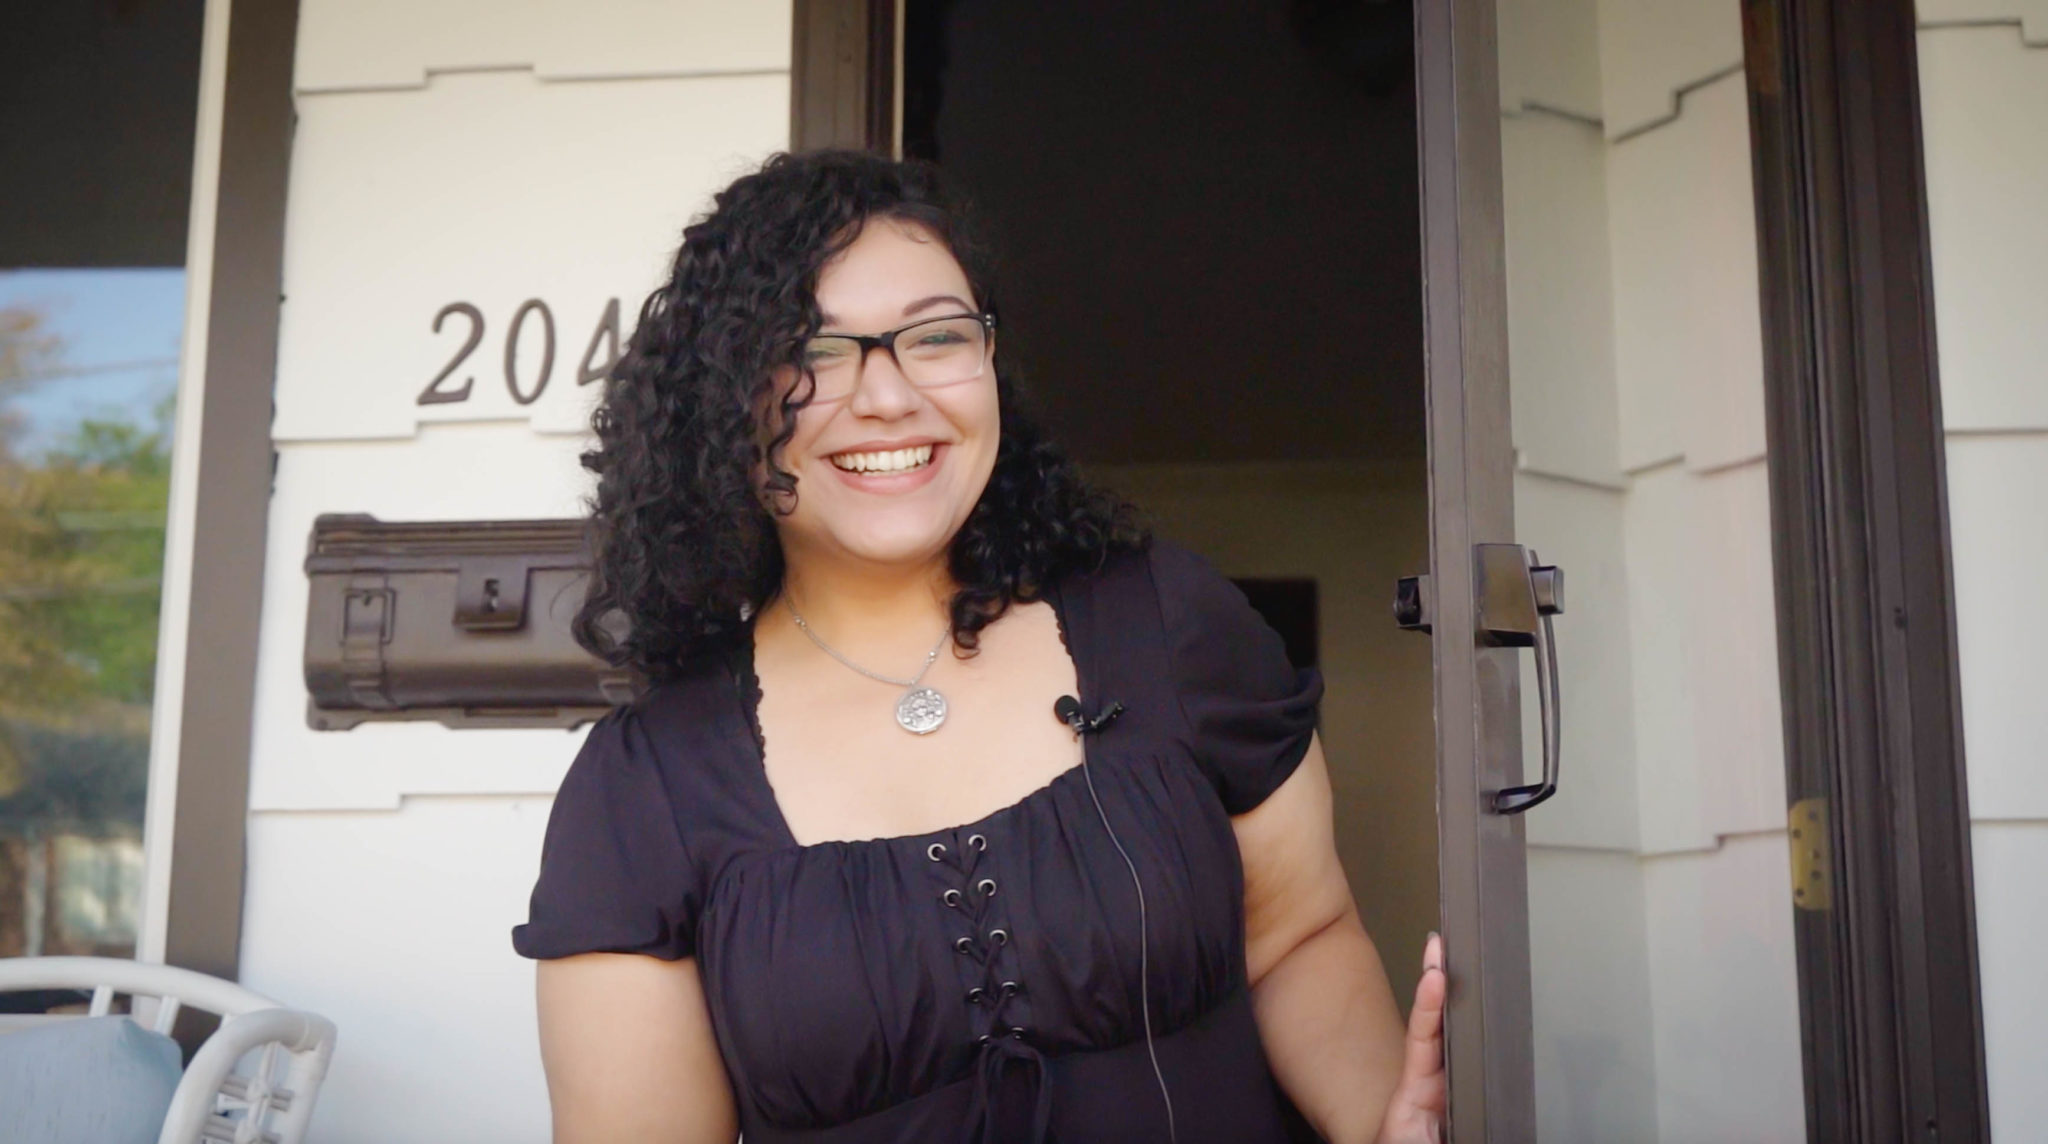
{"x":434,"y":394}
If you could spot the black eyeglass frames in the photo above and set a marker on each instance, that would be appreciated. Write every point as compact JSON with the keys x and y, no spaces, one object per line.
{"x":929,"y":352}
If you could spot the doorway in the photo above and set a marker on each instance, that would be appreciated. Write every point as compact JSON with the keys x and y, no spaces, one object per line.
{"x":1209,"y":266}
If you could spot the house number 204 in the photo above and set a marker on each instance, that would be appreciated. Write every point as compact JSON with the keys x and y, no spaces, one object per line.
{"x":598,"y":357}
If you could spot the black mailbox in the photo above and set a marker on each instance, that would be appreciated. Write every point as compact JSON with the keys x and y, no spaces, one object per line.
{"x":463,"y":622}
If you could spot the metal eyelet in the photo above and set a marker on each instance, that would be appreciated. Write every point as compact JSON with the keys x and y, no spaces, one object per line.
{"x":987,"y":886}
{"x":1010,"y":988}
{"x":951,"y":898}
{"x":964,"y":945}
{"x":935,"y":850}
{"x":1017,"y":1031}
{"x":984,"y":1039}
{"x":975,"y":995}
{"x":999,"y":936}
{"x":977,"y":842}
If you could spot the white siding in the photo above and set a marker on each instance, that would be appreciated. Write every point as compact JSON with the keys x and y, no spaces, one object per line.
{"x":489,"y":188}
{"x":1983,"y":96}
{"x":358,"y":45}
{"x":1986,"y":174}
{"x":393,"y":923}
{"x":1582,"y":529}
{"x":1654,"y":51}
{"x":1596,"y":1062}
{"x":2012,"y":924}
{"x":489,"y":153}
{"x":1725,"y":994}
{"x":1660,"y":911}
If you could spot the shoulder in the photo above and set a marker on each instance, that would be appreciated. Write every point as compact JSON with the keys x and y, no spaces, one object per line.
{"x":1180,"y":572}
{"x":1161,"y":568}
{"x":1197,"y":600}
{"x":616,"y":873}
{"x":616,"y":773}
{"x":1211,"y":635}
{"x":697,"y":711}
{"x":691,"y":741}
{"x":695,"y":688}
{"x":1249,"y":711}
{"x":671,"y":748}
{"x":1189,"y":599}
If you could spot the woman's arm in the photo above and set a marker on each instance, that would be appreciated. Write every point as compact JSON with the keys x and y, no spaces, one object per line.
{"x":627,"y":1044}
{"x":1325,"y":1011}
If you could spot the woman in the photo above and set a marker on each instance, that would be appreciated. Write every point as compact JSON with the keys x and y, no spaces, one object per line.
{"x":955,"y":808}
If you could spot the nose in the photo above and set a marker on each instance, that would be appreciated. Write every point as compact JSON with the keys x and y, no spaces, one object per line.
{"x":881,"y":391}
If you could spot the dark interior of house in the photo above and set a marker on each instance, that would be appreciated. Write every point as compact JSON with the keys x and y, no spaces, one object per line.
{"x":1206,"y":215}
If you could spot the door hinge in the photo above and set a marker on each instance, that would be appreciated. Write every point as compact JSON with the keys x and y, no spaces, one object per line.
{"x":1813,"y":875}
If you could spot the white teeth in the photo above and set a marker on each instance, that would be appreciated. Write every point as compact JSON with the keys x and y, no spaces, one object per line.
{"x":891,"y":461}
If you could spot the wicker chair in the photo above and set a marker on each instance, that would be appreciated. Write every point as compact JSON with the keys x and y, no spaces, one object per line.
{"x":217,"y":1101}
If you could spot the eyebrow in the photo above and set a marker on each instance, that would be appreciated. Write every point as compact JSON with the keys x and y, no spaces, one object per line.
{"x":915,"y":307}
{"x":928,"y":303}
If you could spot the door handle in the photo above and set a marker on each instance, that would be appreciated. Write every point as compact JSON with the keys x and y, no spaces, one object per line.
{"x":1516,"y":595}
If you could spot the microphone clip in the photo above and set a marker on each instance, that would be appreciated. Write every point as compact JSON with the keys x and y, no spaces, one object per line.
{"x":1068,"y":709}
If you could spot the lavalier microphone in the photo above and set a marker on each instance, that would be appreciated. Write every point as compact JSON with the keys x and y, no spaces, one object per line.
{"x":1068,"y":709}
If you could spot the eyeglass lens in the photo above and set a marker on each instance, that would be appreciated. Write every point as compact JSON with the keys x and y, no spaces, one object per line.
{"x":942,"y":351}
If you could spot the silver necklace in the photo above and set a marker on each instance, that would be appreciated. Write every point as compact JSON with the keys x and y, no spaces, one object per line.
{"x":920,"y":710}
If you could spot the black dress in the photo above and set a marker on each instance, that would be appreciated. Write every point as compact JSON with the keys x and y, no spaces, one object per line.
{"x":979,"y":982}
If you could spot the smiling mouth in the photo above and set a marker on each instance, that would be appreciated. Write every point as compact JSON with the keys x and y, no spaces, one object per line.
{"x":890,"y":461}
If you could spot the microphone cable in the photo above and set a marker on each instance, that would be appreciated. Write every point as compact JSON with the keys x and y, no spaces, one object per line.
{"x":1068,"y":709}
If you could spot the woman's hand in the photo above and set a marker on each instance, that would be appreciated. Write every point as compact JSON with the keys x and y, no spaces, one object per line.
{"x":1415,"y":1115}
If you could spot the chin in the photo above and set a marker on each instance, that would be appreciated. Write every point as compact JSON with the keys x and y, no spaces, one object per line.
{"x":898,"y":548}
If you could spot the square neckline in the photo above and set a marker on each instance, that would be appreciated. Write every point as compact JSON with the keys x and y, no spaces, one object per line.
{"x":747,"y":701}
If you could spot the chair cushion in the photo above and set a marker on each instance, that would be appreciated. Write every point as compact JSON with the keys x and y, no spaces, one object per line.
{"x":87,"y":1080}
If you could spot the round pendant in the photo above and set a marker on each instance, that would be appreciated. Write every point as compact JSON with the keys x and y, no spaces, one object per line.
{"x":921,"y":710}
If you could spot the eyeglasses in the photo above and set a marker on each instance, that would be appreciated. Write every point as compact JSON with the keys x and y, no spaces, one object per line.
{"x":928,"y":353}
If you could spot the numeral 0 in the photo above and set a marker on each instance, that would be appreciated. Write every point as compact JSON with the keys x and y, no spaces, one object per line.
{"x":605,"y":338}
{"x":547,"y":353}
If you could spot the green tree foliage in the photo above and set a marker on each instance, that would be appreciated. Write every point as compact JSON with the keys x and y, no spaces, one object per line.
{"x":81,"y":559}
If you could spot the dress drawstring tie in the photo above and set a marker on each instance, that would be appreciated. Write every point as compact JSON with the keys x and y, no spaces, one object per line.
{"x":998,"y":1055}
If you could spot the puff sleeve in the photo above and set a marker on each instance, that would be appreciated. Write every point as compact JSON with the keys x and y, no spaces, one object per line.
{"x":615,"y":876}
{"x":1249,"y":713}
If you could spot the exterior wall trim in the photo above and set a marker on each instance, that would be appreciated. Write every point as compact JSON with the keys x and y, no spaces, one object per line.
{"x":1891,"y":1015}
{"x":172,"y":632}
{"x":199,"y":775}
{"x":843,"y":89}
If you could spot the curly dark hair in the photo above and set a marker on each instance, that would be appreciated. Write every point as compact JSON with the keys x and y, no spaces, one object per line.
{"x":683,"y":540}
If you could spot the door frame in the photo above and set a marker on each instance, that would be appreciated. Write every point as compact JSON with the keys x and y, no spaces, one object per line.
{"x":202,"y":720}
{"x":843,"y":88}
{"x":1890,"y":1014}
{"x":1890,"y":1010}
